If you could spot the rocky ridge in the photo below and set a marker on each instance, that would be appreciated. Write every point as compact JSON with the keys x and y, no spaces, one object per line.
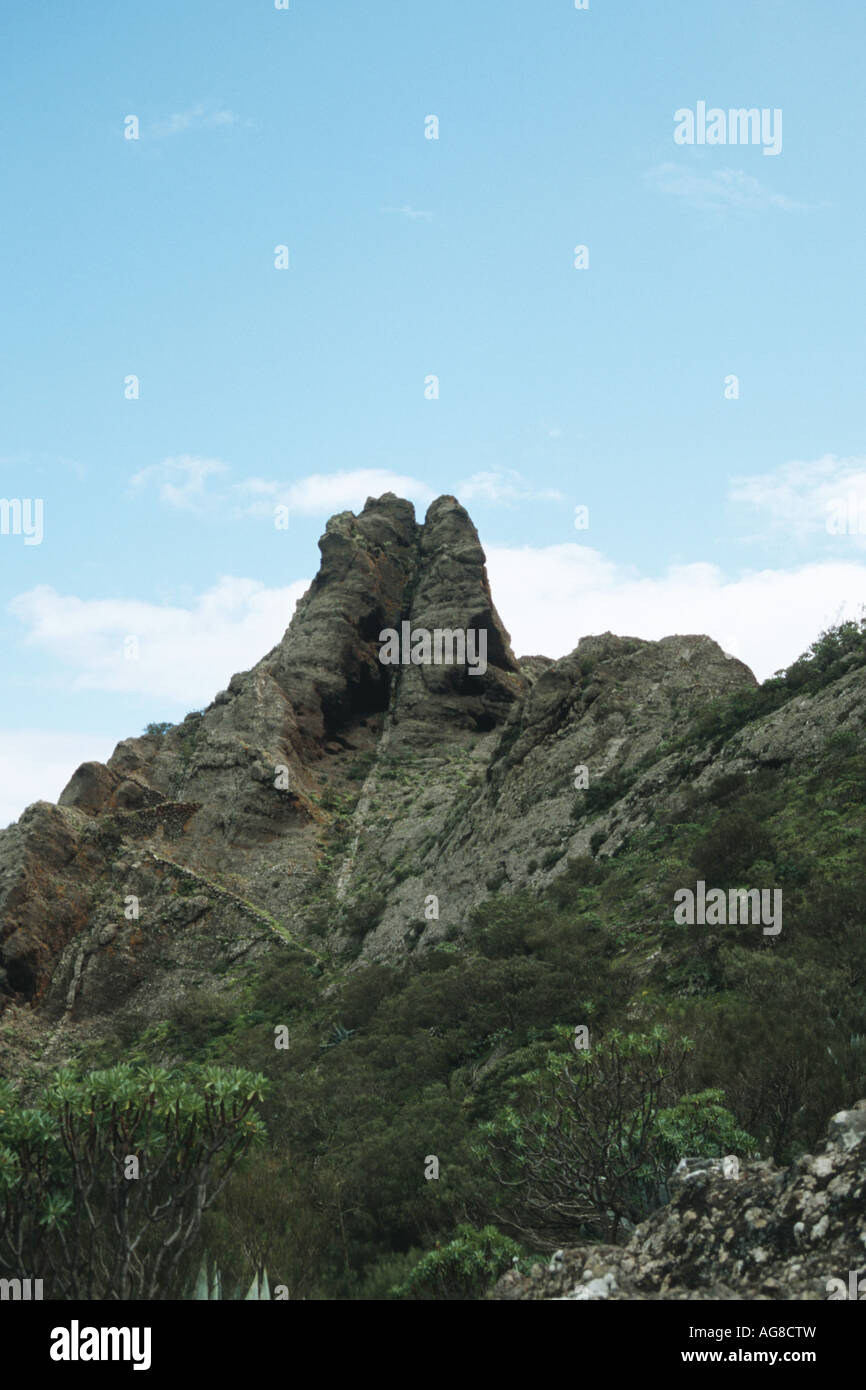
{"x":332,"y":794}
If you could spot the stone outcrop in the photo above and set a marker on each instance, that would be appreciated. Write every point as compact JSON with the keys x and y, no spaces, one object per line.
{"x":331,"y":790}
{"x":791,"y":1233}
{"x":242,"y":782}
{"x":46,"y":876}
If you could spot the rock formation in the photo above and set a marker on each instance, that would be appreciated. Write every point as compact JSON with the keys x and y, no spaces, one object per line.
{"x":325,"y":797}
{"x":795,"y":1233}
{"x":468,"y":777}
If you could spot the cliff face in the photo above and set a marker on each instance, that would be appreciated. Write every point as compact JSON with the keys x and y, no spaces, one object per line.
{"x":434,"y":778}
{"x":236,"y":791}
{"x":325,"y":774}
{"x":329,"y":798}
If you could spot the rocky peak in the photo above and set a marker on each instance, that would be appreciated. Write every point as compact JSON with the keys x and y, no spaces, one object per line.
{"x":325,"y":770}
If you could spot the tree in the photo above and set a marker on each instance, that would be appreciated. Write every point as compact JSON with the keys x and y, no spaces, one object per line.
{"x":587,"y":1142}
{"x":104,"y":1183}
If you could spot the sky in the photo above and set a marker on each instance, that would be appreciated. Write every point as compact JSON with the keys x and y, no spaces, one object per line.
{"x":257,"y":258}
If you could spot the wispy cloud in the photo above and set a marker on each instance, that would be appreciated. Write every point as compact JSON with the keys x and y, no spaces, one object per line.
{"x":413,"y":214}
{"x":321,"y":494}
{"x":199,"y":117}
{"x":191,"y":483}
{"x":181,"y":481}
{"x":721,"y":190}
{"x":183,"y":654}
{"x":503,"y":488}
{"x":799,"y":498}
{"x":549,"y":597}
{"x":184,"y":484}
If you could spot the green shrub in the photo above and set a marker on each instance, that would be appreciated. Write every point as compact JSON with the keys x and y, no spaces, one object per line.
{"x":842,"y":743}
{"x":552,"y":857}
{"x":602,"y":793}
{"x":360,"y":767}
{"x":363,"y":913}
{"x":198,"y":1019}
{"x":579,"y":1148}
{"x":733,"y":844}
{"x":699,"y":1126}
{"x":384,"y":1277}
{"x":465,"y":1268}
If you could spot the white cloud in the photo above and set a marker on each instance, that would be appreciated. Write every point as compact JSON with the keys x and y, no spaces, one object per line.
{"x":801,"y":498}
{"x":322,"y":494}
{"x":551,"y":597}
{"x":496,"y":487}
{"x":411,"y":213}
{"x":548,"y":597}
{"x":719,"y":190}
{"x":38,"y":764}
{"x":181,"y":481}
{"x":184,"y":654}
{"x":198,"y":118}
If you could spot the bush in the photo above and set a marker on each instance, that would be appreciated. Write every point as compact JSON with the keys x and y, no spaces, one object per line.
{"x":732,"y":845}
{"x":842,"y":743}
{"x":699,"y":1126}
{"x":581,"y":1147}
{"x":362,"y":914}
{"x":200,"y":1018}
{"x":360,"y":767}
{"x":383,"y":1279}
{"x":602,"y":793}
{"x":465,"y":1268}
{"x":552,"y":857}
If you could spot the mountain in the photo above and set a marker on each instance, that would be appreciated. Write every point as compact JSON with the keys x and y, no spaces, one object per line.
{"x":444,"y":864}
{"x":454,"y":779}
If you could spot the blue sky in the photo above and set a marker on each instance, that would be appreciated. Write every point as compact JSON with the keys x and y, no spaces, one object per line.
{"x":411,"y":257}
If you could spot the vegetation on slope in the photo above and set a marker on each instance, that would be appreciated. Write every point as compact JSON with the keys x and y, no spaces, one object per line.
{"x":465,"y":1053}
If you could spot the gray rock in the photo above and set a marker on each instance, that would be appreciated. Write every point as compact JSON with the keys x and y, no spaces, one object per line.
{"x":751,"y":1230}
{"x":847,"y":1129}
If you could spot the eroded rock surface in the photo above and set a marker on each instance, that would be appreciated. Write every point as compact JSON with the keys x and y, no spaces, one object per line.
{"x":334,"y":794}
